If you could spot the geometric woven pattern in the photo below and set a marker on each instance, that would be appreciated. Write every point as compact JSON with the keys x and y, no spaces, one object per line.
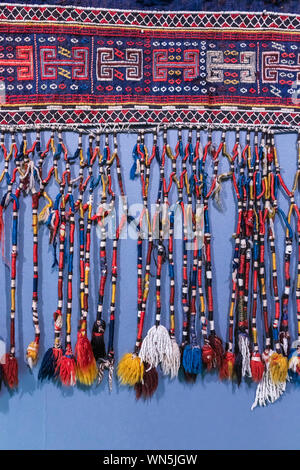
{"x":85,"y":66}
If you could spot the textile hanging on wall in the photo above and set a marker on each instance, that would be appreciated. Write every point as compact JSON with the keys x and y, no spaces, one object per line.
{"x":99,"y":70}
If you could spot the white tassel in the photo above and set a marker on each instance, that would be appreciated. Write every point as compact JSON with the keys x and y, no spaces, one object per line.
{"x":110,"y":375}
{"x":170,"y":364}
{"x":73,"y":380}
{"x":293,"y":363}
{"x":267,"y":391}
{"x":30,"y":363}
{"x":285,"y":345}
{"x":109,"y":365}
{"x":156,"y":345}
{"x":246,"y":357}
{"x":104,"y":364}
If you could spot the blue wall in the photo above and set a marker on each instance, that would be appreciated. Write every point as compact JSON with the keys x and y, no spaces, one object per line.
{"x":207,"y":415}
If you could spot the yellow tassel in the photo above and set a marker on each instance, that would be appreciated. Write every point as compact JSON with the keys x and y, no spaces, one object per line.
{"x":278,"y":368}
{"x":130,"y":370}
{"x":32,"y":353}
{"x":87,"y":375}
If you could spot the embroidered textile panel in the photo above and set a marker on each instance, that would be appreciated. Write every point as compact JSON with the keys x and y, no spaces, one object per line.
{"x":91,"y":66}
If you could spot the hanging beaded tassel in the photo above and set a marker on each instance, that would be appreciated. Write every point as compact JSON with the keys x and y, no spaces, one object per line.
{"x":242,"y":354}
{"x":267,"y":390}
{"x":66,"y":365}
{"x":33,"y":348}
{"x":4,"y":202}
{"x":256,"y":364}
{"x":278,"y":361}
{"x":57,"y":225}
{"x":157,"y":343}
{"x":99,"y":326}
{"x":192,"y":355}
{"x":171,"y":363}
{"x":215,"y":343}
{"x":131,"y":367}
{"x":9,"y":362}
{"x":86,"y":369}
{"x":227,"y":368}
{"x":294,"y":355}
{"x":149,"y":382}
{"x":109,"y":360}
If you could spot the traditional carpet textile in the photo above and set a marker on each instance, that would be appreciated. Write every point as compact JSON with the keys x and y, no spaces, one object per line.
{"x":90,"y":66}
{"x":105,"y":68}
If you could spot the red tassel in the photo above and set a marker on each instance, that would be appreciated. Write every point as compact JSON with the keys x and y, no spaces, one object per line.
{"x":83,"y":351}
{"x":149,"y":385}
{"x":57,"y":353}
{"x":226,"y":370}
{"x":138,"y":390}
{"x":10,"y":371}
{"x":208,"y":356}
{"x":257,"y":367}
{"x":66,"y":369}
{"x":216,"y":344}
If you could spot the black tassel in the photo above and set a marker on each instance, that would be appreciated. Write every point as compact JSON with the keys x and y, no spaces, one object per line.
{"x":238,"y":367}
{"x":97,"y":340}
{"x":48,"y":366}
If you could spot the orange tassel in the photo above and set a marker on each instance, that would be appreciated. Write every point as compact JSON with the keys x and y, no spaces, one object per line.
{"x":10,"y":370}
{"x":86,"y":364}
{"x":226,"y":370}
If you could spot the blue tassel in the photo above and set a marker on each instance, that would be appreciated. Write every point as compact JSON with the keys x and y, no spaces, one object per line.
{"x":295,"y":378}
{"x":47,"y":369}
{"x":293,"y":375}
{"x":192,"y":359}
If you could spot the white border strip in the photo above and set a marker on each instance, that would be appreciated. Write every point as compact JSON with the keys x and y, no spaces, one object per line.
{"x":178,"y":12}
